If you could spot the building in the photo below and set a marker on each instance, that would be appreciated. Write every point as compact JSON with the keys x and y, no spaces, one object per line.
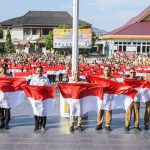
{"x":133,"y":36}
{"x":34,"y":26}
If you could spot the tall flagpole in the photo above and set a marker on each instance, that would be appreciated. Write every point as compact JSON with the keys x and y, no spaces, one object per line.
{"x":75,"y":50}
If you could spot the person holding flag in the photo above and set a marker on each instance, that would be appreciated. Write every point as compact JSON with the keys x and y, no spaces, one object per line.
{"x":40,"y":80}
{"x":76,"y":79}
{"x":100,"y":117}
{"x":135,"y":106}
{"x":147,"y":110}
{"x":4,"y":109}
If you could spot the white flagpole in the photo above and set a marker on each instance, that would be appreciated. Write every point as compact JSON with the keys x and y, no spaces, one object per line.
{"x":75,"y":50}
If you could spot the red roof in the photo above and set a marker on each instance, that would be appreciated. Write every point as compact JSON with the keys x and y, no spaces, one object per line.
{"x":135,"y":26}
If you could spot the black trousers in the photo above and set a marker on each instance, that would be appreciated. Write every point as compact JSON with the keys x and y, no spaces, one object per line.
{"x":40,"y":121}
{"x":5,"y":116}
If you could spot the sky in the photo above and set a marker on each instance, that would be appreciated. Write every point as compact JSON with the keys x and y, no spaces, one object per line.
{"x":103,"y":14}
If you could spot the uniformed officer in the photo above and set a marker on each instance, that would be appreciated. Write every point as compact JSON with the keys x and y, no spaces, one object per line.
{"x":147,"y":111}
{"x":100,"y":117}
{"x":40,"y":80}
{"x":134,"y":106}
{"x":4,"y":112}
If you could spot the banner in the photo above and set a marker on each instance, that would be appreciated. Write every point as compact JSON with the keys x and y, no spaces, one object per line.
{"x":63,"y":38}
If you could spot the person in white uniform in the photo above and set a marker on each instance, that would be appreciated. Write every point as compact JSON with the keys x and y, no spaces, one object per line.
{"x":40,"y":80}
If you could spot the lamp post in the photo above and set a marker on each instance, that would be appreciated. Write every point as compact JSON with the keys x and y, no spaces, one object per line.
{"x":75,"y":50}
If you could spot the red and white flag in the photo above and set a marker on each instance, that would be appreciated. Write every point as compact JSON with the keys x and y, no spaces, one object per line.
{"x":82,"y":97}
{"x":116,"y":95}
{"x":143,"y":88}
{"x":42,"y":99}
{"x":11,"y":92}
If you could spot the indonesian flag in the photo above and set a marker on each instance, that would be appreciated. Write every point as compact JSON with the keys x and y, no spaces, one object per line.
{"x":116,"y":95}
{"x":143,"y":88}
{"x":11,"y":92}
{"x":42,"y":99}
{"x":82,"y":97}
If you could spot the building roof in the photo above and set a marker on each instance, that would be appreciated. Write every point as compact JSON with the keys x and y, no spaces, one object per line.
{"x":138,"y":25}
{"x":42,"y":18}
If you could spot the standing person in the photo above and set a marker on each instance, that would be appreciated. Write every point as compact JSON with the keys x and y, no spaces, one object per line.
{"x":76,"y":79}
{"x":147,"y":115}
{"x":40,"y":80}
{"x":147,"y":111}
{"x":100,"y":117}
{"x":4,"y":112}
{"x":134,"y":106}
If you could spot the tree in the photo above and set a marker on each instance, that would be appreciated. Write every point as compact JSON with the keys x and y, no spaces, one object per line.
{"x":93,"y":38}
{"x":83,"y":26}
{"x":64,"y":26}
{"x":8,"y":43}
{"x":49,"y":40}
{"x":1,"y":34}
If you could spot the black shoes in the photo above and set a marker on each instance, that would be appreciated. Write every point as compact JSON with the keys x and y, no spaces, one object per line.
{"x":2,"y":126}
{"x":98,"y":127}
{"x":126,"y":128}
{"x":71,"y":128}
{"x":145,"y":127}
{"x":6,"y":127}
{"x":80,"y":128}
{"x":108,"y":128}
{"x":137,"y":128}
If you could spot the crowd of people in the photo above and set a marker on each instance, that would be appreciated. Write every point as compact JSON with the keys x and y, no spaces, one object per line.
{"x":47,"y":68}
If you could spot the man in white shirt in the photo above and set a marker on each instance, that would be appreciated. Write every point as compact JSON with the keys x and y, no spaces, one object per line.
{"x":39,"y":80}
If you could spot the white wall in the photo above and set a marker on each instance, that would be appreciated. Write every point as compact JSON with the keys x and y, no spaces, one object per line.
{"x":17,"y":33}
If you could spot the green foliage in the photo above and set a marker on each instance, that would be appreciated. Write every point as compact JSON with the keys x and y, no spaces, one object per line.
{"x":8,"y":43}
{"x":1,"y":34}
{"x":93,"y":39}
{"x":83,"y":26}
{"x":49,"y":40}
{"x":64,"y":26}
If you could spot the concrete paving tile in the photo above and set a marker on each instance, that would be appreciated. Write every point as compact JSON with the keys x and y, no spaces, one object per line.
{"x":117,"y":147}
{"x":23,"y":147}
{"x":40,"y":147}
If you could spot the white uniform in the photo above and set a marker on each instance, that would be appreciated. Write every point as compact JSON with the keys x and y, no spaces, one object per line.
{"x":42,"y":81}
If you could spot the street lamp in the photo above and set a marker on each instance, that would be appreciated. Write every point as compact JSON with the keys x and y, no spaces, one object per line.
{"x":75,"y":50}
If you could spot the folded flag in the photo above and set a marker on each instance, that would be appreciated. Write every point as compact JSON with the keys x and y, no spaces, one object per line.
{"x":82,"y":97}
{"x":116,"y":95}
{"x":11,"y":92}
{"x":143,"y":88}
{"x":42,"y":99}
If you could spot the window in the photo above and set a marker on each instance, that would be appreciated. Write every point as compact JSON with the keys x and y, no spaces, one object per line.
{"x":144,"y":43}
{"x":124,"y":48}
{"x":27,"y":31}
{"x":148,"y":49}
{"x":35,"y":31}
{"x":124,"y":43}
{"x":129,"y":43}
{"x":120,"y":48}
{"x":116,"y":43}
{"x":45,"y":31}
{"x":143,"y":49}
{"x":134,"y":43}
{"x":138,"y":49}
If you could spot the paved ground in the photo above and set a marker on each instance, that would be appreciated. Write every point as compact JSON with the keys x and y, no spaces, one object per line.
{"x":22,"y":137}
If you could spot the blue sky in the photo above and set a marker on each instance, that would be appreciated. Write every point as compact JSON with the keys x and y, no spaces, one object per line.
{"x":104,"y":14}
